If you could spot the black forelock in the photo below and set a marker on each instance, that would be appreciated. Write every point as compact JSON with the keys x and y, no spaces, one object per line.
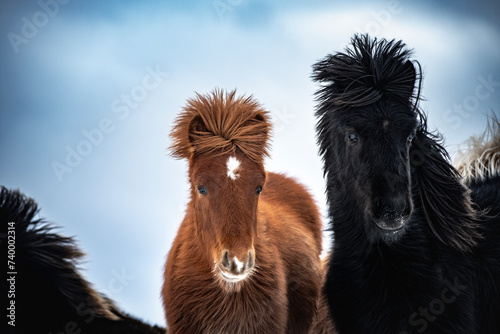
{"x":368,"y":70}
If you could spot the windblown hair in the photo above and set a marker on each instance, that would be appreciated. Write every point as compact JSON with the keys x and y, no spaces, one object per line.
{"x":221,"y":122}
{"x":368,"y":71}
{"x":482,"y":157}
{"x":446,"y":203}
{"x":50,"y":291}
{"x":364,"y":74}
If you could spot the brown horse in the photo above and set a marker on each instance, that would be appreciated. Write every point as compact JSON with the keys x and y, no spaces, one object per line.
{"x":242,"y":261}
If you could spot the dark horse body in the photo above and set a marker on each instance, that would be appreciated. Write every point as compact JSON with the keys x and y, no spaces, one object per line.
{"x":49,"y":293}
{"x":413,"y":252}
{"x":242,"y":261}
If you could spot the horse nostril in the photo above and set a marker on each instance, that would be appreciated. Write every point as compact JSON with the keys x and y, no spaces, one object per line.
{"x":397,"y":206}
{"x":403,"y":208}
{"x":408,"y":209}
{"x":225,"y":260}
{"x":379,"y":208}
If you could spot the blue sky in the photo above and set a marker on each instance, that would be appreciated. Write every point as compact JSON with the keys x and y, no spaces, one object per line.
{"x":106,"y":79}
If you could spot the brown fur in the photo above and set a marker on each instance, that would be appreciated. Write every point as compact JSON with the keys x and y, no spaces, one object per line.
{"x":323,"y":322}
{"x":282,"y":226}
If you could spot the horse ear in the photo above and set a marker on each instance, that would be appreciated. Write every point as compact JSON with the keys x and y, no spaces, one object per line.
{"x":259,"y":117}
{"x":444,"y":200}
{"x":195,"y":127}
{"x":262,"y":121}
{"x":409,"y":78}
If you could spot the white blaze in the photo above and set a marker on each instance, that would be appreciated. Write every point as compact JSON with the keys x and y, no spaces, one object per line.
{"x":239,"y":264}
{"x":233,"y":165}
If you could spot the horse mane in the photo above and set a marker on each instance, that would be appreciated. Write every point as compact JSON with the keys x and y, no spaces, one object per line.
{"x":221,"y":122}
{"x":53,"y":254}
{"x":372,"y":70}
{"x":50,"y":290}
{"x":446,"y":203}
{"x":482,"y":159}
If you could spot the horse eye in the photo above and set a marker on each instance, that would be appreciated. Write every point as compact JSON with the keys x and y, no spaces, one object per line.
{"x":353,"y":138}
{"x":202,"y":190}
{"x":410,"y":137}
{"x":259,"y":190}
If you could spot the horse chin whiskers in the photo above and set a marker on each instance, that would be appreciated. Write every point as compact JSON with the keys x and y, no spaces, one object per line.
{"x":233,"y":278}
{"x":394,"y":227}
{"x":229,"y":281}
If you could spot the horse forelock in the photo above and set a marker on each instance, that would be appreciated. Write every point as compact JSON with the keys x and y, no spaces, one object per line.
{"x":229,"y":123}
{"x":368,"y":71}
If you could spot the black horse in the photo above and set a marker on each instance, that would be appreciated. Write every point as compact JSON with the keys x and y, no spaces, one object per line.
{"x":413,"y":252}
{"x":49,"y":294}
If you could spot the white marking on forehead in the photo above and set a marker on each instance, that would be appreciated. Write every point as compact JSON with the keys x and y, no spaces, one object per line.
{"x":386,"y":124}
{"x":233,"y":166}
{"x":239,"y":264}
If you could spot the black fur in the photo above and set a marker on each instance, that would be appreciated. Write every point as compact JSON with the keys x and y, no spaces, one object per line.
{"x":412,"y":253}
{"x":51,"y":296}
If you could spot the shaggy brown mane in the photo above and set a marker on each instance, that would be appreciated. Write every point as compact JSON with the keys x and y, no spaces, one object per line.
{"x":220,"y":121}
